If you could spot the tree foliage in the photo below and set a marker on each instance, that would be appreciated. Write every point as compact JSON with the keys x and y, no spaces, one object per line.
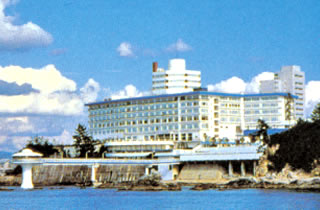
{"x":262,"y":132}
{"x":299,"y":146}
{"x":83,"y":142}
{"x":316,"y":113}
{"x":42,"y":145}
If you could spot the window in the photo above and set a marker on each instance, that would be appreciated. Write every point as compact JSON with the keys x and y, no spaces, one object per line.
{"x":204,"y":117}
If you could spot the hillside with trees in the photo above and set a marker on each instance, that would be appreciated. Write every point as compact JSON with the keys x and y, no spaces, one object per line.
{"x":298,"y":146}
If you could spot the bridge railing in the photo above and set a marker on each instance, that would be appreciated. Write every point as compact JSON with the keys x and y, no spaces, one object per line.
{"x":90,"y":161}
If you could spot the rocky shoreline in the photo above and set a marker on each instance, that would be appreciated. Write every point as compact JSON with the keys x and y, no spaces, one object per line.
{"x":153,"y":183}
{"x":310,"y":184}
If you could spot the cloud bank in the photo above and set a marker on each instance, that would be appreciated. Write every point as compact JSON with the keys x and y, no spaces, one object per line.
{"x":53,"y":93}
{"x":14,"y":37}
{"x":40,"y":102}
{"x":129,"y":91}
{"x":238,"y":85}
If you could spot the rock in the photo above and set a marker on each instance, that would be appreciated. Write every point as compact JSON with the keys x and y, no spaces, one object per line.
{"x":268,"y":176}
{"x":202,"y":187}
{"x":160,"y":187}
{"x":310,"y":181}
{"x":5,"y":189}
{"x":153,"y":179}
{"x":291,"y":175}
{"x":10,"y":180}
{"x":242,"y":183}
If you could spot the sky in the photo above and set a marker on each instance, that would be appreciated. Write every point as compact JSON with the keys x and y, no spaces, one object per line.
{"x":55,"y":56}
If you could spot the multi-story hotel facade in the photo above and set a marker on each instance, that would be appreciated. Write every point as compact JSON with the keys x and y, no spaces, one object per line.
{"x":190,"y":116}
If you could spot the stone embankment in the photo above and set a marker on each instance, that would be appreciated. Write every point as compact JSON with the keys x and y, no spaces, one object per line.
{"x":150,"y":182}
{"x":10,"y":180}
{"x":310,"y":184}
{"x":81,"y":175}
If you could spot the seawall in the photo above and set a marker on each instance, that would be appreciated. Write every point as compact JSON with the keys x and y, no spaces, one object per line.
{"x":193,"y":172}
{"x":69,"y":175}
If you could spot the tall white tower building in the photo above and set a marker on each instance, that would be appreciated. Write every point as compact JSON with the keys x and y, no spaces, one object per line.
{"x":290,"y":79}
{"x":174,"y":80}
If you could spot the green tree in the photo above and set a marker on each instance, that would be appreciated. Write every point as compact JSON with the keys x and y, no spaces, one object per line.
{"x":263,"y":131}
{"x":316,"y":113}
{"x":83,"y":142}
{"x":42,"y":145}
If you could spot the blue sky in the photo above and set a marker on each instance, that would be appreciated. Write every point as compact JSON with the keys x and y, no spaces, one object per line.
{"x":98,"y":49}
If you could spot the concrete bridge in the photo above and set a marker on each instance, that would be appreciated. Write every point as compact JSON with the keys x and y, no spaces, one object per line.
{"x":164,"y":162}
{"x":27,"y":159}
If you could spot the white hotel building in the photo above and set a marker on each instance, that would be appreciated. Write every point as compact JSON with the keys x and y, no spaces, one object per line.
{"x":290,"y":79}
{"x":187,"y":116}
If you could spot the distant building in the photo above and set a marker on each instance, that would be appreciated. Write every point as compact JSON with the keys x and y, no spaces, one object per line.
{"x":174,"y":80}
{"x":291,"y":80}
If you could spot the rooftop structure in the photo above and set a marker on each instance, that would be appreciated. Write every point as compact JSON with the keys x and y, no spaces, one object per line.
{"x":174,"y":80}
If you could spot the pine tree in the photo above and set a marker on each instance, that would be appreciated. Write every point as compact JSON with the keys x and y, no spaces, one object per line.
{"x":83,"y":142}
{"x":263,"y":131}
{"x":316,"y":113}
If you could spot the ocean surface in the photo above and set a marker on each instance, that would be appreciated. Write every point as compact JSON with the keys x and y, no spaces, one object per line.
{"x":89,"y":198}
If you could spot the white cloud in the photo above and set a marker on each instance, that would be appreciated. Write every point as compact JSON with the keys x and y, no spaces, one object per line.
{"x":24,"y":36}
{"x":237,"y":85}
{"x":47,"y":79}
{"x":125,"y":49}
{"x":15,"y":143}
{"x":312,"y":96}
{"x":57,"y":94}
{"x":179,"y":46}
{"x":89,"y":92}
{"x":253,"y":85}
{"x":232,"y":85}
{"x":64,"y":138}
{"x":129,"y":91}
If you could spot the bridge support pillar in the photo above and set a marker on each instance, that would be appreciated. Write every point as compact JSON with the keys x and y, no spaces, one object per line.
{"x":147,"y":171}
{"x":243,"y":169}
{"x":26,"y":176}
{"x":254,"y":168}
{"x":175,"y":172}
{"x":93,"y":172}
{"x":230,"y":169}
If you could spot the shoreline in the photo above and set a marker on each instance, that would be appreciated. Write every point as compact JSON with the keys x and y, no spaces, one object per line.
{"x":311,"y":184}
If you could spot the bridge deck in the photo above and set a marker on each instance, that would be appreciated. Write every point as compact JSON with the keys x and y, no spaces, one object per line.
{"x":92,"y":161}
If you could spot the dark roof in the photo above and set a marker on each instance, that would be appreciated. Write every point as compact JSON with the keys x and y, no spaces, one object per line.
{"x":190,"y":93}
{"x":269,"y":131}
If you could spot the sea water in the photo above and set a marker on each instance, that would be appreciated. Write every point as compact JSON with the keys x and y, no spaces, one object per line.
{"x":89,"y":198}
